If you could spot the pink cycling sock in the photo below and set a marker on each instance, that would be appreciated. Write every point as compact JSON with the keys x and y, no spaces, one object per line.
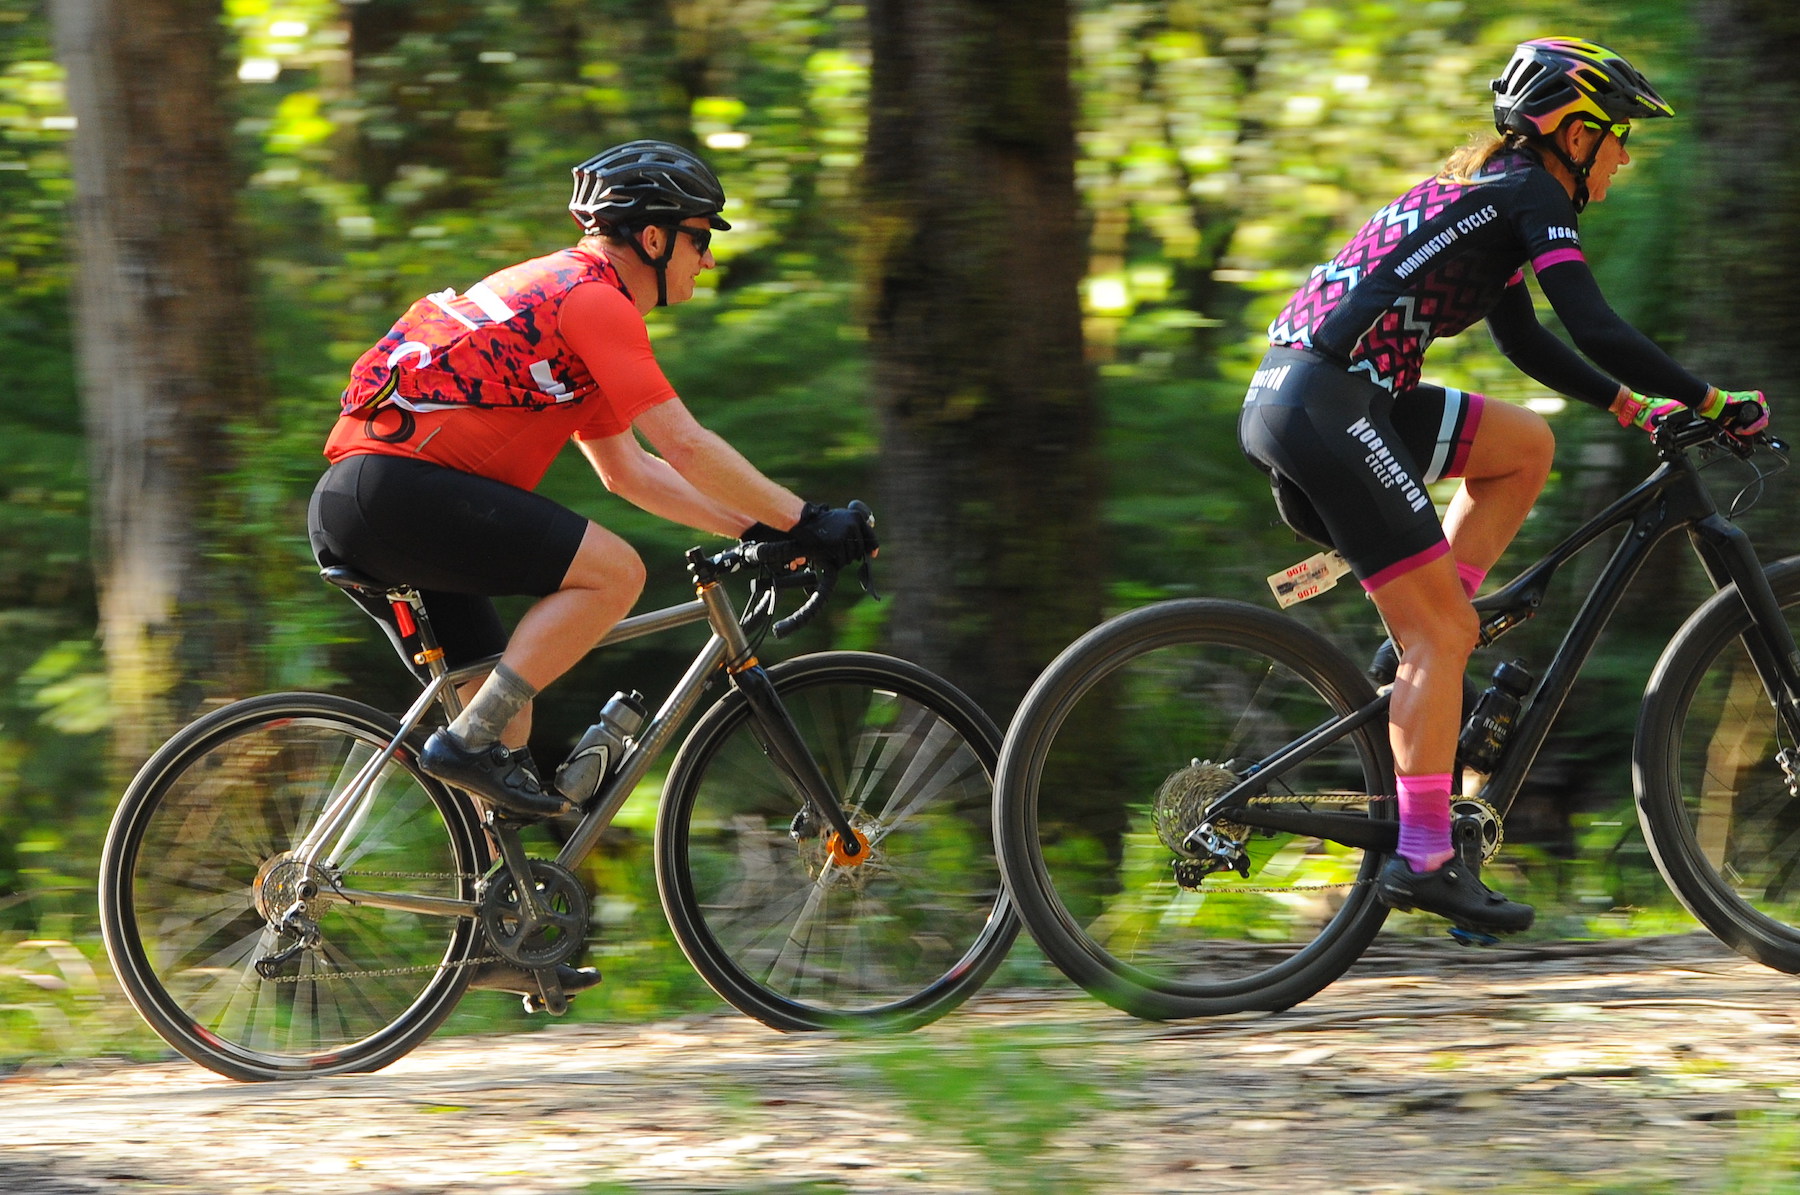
{"x":1425,"y":821}
{"x":1472,"y":577}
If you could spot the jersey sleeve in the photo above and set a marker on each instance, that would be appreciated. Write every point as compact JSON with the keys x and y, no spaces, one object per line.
{"x":1541,"y":355}
{"x":606,"y":331}
{"x":1611,"y":343}
{"x":1544,"y":219}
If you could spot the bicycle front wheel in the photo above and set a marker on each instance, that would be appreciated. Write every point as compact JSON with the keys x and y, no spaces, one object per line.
{"x":801,"y":940}
{"x":198,"y":865}
{"x":1714,"y":772}
{"x":1117,"y":749}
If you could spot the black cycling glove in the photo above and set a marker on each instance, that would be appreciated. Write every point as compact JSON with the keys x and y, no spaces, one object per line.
{"x":834,"y":536}
{"x":762,"y":533}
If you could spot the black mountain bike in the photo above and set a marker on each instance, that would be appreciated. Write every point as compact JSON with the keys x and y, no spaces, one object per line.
{"x":284,"y":893}
{"x":1194,"y":798}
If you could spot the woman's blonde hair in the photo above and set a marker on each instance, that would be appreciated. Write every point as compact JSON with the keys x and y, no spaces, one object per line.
{"x":1469,"y":161}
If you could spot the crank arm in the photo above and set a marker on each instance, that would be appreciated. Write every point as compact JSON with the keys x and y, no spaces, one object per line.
{"x":532,"y":910}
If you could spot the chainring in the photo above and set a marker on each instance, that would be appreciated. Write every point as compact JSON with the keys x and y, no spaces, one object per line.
{"x":1474,"y":820}
{"x":549,"y":940}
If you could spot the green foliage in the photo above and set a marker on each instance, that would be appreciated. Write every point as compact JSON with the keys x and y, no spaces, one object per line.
{"x":394,"y":147}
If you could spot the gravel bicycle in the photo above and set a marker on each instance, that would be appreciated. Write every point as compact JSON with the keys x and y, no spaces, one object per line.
{"x":1195,"y":797}
{"x":284,"y":893}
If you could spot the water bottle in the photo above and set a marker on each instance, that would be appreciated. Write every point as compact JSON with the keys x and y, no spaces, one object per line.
{"x":600,"y":747}
{"x":1478,"y":747}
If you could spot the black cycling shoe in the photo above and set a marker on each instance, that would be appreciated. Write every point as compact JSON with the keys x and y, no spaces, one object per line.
{"x":1453,"y":891}
{"x":1384,"y":664}
{"x":494,"y":774}
{"x":502,"y":976}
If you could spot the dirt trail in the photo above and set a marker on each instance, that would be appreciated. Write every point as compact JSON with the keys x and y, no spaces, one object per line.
{"x":1590,"y":1068}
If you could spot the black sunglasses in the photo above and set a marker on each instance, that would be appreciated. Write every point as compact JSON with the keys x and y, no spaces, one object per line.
{"x":702,"y":237}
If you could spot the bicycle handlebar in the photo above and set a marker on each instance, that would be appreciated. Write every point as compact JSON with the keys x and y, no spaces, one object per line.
{"x":772,"y":561}
{"x":1681,"y":430}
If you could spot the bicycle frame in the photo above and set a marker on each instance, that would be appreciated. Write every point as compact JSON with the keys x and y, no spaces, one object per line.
{"x":727,"y":649}
{"x":1672,"y":498}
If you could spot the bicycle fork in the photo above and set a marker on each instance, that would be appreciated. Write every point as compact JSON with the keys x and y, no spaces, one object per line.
{"x":775,"y":731}
{"x":1728,"y":559}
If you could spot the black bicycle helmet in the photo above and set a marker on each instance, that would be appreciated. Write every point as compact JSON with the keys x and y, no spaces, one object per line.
{"x":641,"y":183}
{"x":1553,"y":80}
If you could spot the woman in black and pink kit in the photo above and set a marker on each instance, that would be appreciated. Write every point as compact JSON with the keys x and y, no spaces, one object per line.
{"x":1338,"y":417}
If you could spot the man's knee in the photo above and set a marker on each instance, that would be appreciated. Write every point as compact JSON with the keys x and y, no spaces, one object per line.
{"x":606,"y":562}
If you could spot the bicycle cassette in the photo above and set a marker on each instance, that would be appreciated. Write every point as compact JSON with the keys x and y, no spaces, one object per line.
{"x":541,"y":933}
{"x":1182,"y":799}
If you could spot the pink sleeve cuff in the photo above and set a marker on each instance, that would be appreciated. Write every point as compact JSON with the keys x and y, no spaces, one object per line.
{"x":1555,"y":258}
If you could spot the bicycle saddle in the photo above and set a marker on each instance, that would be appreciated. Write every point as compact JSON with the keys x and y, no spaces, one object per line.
{"x":347,"y":578}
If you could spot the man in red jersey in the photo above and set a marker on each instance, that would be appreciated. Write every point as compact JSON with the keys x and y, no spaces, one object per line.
{"x":450,"y":422}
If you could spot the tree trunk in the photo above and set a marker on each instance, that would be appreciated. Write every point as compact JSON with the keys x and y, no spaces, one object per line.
{"x":1746,"y":239}
{"x":165,"y":343}
{"x":989,"y":499}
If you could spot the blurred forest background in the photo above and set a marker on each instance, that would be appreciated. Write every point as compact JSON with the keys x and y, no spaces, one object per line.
{"x":1000,"y":267}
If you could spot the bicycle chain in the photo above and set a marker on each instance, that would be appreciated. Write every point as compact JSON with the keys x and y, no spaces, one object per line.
{"x":383,"y":972}
{"x":334,"y":976}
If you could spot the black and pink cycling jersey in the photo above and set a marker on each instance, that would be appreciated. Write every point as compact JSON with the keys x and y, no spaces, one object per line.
{"x":1447,"y":254}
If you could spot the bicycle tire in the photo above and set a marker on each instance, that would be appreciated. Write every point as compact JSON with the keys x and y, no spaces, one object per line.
{"x":199,"y":835}
{"x":1714,"y":802}
{"x":802,"y":943}
{"x":1166,"y":699}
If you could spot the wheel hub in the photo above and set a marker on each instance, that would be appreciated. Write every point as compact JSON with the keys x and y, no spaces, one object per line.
{"x":824,"y":857}
{"x":284,"y":882}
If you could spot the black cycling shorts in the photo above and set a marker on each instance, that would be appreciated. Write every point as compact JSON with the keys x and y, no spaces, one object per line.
{"x":458,"y":538}
{"x":1360,"y":457}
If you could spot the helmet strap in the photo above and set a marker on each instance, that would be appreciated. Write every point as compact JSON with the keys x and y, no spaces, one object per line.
{"x":659,"y":264}
{"x":1577,"y":170}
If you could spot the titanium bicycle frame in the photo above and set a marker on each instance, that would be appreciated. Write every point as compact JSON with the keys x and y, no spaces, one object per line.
{"x":1672,"y":498}
{"x":728,"y":648}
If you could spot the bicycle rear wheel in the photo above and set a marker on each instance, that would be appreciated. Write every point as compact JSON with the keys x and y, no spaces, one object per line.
{"x":196,"y":865}
{"x":1115,"y":750}
{"x":776,"y":926}
{"x":1715,"y":801}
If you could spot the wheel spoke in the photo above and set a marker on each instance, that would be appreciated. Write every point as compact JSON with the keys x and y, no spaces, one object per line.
{"x":202,"y":842}
{"x":799,"y":941}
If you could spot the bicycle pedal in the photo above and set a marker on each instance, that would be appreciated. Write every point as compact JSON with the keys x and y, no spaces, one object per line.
{"x":1465,"y":936}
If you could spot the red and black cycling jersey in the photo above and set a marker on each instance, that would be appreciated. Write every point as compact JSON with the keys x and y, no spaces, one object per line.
{"x":497,"y":345}
{"x":572,"y":322}
{"x":1447,"y":254}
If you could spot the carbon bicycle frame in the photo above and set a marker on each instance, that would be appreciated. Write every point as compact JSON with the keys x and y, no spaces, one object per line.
{"x":1672,"y":498}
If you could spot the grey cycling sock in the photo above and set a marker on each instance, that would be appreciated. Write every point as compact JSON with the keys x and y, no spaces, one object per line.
{"x":496,"y":703}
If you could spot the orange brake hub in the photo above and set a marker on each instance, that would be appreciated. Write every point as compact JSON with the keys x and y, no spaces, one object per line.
{"x":834,"y":848}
